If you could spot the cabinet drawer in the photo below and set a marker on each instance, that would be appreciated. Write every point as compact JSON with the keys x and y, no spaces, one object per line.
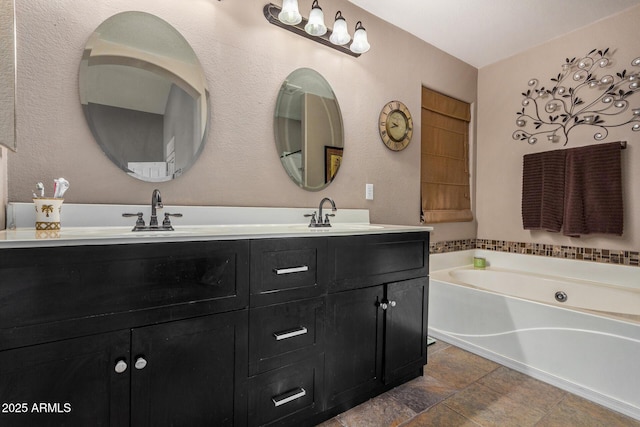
{"x":63,"y":292}
{"x":287,"y":269}
{"x":285,"y":333}
{"x":288,"y":395}
{"x":361,"y":261}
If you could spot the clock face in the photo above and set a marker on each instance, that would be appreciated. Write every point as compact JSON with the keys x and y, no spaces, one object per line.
{"x":395,"y":125}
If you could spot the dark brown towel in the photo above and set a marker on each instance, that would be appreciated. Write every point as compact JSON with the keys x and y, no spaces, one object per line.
{"x":593,"y":190}
{"x":543,"y":177}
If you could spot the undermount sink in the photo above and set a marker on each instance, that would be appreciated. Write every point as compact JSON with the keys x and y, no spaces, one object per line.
{"x":337,"y":227}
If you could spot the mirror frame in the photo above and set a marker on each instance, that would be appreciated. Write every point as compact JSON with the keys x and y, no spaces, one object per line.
{"x":8,"y":75}
{"x":152,"y":119}
{"x":307,"y":105}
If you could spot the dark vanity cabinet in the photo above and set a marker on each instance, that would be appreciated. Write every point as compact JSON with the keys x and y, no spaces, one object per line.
{"x":376,"y":315}
{"x":262,"y":332}
{"x":286,"y":330}
{"x":118,"y":335}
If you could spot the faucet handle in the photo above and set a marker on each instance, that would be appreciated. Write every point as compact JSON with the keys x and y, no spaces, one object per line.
{"x":313,"y":219}
{"x":326,"y":218}
{"x":166,"y":223}
{"x":139,"y":221}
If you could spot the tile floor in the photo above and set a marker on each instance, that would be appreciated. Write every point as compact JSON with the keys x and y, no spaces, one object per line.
{"x":461,"y":389}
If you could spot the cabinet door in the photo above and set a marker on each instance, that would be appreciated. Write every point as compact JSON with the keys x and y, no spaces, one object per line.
{"x":184,"y":372}
{"x":354,"y":344}
{"x":72,"y":382}
{"x":406,"y":329}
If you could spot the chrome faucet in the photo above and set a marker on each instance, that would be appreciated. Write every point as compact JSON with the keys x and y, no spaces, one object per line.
{"x":156,"y":203}
{"x":326,"y":222}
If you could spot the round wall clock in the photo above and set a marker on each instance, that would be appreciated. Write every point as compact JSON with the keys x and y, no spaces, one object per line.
{"x":395,"y":125}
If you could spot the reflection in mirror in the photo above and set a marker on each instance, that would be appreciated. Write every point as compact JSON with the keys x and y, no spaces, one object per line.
{"x":144,"y":96}
{"x":7,"y":75}
{"x":308,"y":129}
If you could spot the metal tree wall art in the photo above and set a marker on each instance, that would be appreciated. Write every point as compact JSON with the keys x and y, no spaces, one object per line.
{"x":578,"y":97}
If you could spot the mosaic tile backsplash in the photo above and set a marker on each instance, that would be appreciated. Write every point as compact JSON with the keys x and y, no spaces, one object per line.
{"x":609,"y":256}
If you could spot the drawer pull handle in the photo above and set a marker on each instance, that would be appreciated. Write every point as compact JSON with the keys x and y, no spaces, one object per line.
{"x":289,"y":270}
{"x":290,"y":333}
{"x":288,"y":396}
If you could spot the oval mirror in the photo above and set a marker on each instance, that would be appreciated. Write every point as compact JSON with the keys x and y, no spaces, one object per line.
{"x":308,"y":129}
{"x":144,"y":96}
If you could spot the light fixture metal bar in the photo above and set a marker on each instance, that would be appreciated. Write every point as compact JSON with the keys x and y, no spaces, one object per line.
{"x":271,"y":12}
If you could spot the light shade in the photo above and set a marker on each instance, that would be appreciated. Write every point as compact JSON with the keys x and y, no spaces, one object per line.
{"x":360,"y":43}
{"x":290,"y":14}
{"x":315,"y":26}
{"x":340,"y":34}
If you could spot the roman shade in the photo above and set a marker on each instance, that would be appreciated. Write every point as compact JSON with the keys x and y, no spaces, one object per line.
{"x":444,"y":167}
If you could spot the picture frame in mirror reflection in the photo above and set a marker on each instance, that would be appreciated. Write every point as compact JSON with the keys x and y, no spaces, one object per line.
{"x":333,"y":160}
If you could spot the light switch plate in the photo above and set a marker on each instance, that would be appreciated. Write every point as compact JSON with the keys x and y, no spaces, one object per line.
{"x":368,"y":192}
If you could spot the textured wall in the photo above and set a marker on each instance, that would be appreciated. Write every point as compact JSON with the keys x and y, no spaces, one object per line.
{"x":499,"y":158}
{"x":245,"y":59}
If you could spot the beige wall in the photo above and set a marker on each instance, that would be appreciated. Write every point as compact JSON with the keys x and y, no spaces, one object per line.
{"x":245,"y":59}
{"x":499,"y":157}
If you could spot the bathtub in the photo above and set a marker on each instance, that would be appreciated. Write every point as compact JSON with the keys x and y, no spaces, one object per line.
{"x":587,"y":343}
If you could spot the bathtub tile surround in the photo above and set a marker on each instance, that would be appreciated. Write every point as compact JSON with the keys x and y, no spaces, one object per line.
{"x":476,"y":392}
{"x":452,"y":246}
{"x":609,"y":256}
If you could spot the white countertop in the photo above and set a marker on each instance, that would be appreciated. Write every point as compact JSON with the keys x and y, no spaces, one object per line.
{"x":82,"y":225}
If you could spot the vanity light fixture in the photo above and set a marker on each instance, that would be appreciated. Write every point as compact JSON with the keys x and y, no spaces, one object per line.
{"x":340,"y":35}
{"x":315,"y":26}
{"x":315,"y":29}
{"x":360,"y":43}
{"x":290,"y":15}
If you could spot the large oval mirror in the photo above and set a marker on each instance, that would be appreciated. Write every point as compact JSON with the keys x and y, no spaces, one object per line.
{"x":308,"y":129}
{"x":145,"y":96}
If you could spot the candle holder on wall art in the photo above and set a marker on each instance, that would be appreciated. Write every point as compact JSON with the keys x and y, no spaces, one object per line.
{"x":578,"y":97}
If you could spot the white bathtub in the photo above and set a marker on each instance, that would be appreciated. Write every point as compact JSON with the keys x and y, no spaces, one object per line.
{"x":588,"y":345}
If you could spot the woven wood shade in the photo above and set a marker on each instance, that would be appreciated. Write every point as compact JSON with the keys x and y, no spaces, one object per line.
{"x":445,"y":189}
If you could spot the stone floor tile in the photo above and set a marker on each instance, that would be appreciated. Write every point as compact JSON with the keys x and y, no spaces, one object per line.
{"x":440,"y":416}
{"x":458,"y":368}
{"x":436,"y":347}
{"x":333,"y":422}
{"x":489,"y":408}
{"x":576,"y":411}
{"x":421,"y":393}
{"x":523,"y":388}
{"x":381,"y":411}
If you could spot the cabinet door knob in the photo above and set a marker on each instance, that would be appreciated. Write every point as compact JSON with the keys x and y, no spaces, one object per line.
{"x":140,"y":363}
{"x":392,"y":303}
{"x":121,"y":366}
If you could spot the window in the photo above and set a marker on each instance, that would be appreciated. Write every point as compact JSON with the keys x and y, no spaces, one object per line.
{"x":444,"y":167}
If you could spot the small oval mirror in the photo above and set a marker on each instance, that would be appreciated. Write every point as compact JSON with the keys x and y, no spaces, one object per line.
{"x":144,"y":96}
{"x":308,"y":129}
